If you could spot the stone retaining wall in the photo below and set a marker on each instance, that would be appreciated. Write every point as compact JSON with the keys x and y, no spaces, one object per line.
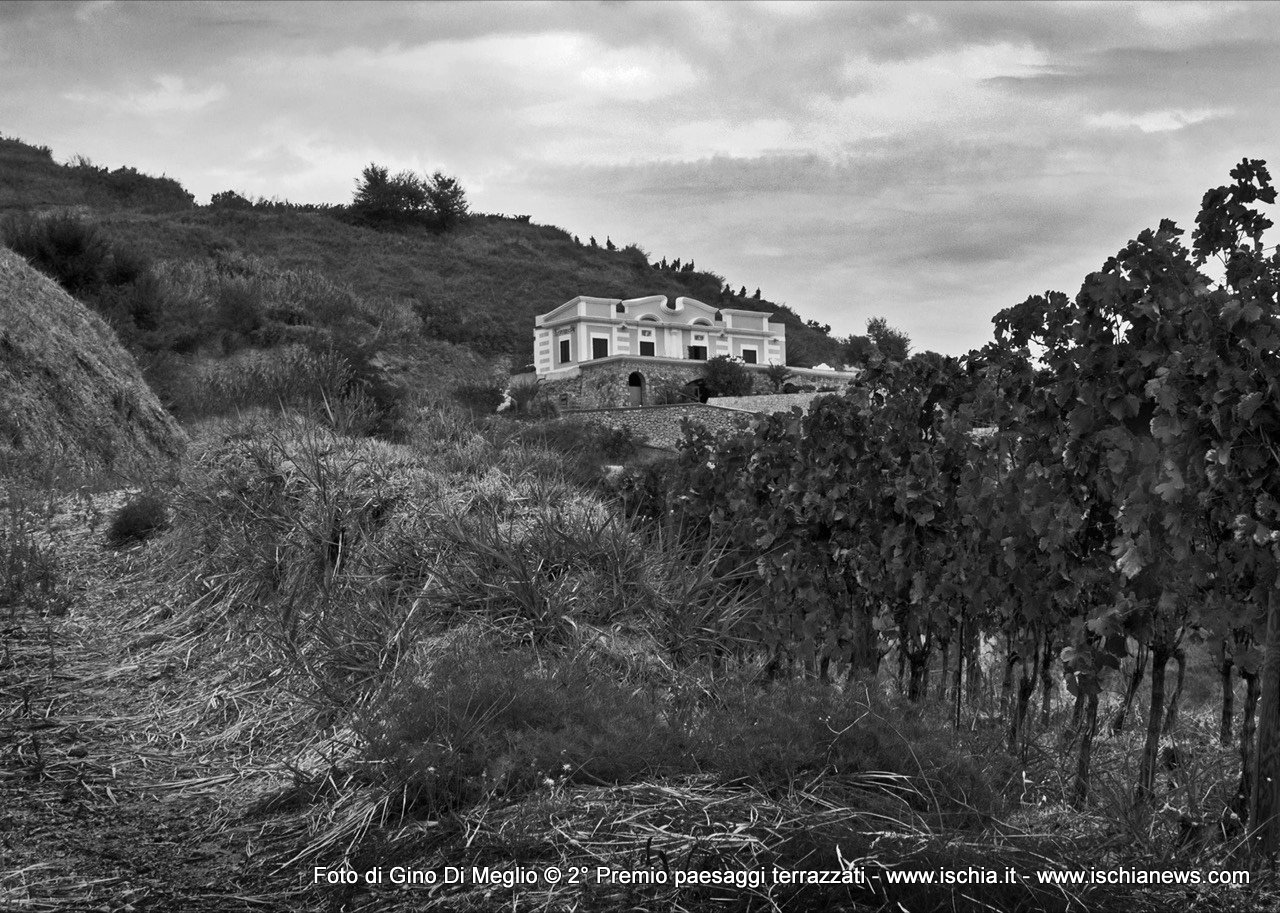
{"x":605,"y":383}
{"x":659,"y":426}
{"x":773,"y":402}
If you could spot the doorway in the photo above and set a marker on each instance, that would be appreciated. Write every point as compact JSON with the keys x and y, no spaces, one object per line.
{"x":635,"y":389}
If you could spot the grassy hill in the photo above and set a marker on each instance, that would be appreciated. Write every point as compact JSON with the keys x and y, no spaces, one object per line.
{"x":479,"y":285}
{"x":31,"y":179}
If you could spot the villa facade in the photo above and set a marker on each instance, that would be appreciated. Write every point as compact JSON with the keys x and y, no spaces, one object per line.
{"x":611,"y":353}
{"x":586,"y":330}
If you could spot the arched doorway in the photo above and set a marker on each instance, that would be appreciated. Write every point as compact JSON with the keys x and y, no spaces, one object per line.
{"x":635,"y":389}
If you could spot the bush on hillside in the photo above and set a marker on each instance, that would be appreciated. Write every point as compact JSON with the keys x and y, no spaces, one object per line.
{"x":229,"y":200}
{"x":113,"y":279}
{"x":75,"y":253}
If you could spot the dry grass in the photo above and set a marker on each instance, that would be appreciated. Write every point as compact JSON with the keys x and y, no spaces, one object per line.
{"x":69,"y":394}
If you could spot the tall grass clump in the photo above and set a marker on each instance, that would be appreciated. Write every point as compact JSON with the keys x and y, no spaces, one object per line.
{"x":32,"y":580}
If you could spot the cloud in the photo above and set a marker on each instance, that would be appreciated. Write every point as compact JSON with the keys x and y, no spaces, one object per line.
{"x":1154,"y":121}
{"x":929,"y":162}
{"x":86,"y":12}
{"x":166,"y":96}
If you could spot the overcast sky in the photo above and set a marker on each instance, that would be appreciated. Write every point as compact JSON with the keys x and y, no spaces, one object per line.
{"x":928,"y":163}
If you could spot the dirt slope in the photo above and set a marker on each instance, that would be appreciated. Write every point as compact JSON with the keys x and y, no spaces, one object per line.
{"x":71,"y":398}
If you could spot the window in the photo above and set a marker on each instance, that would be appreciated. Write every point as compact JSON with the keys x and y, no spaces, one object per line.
{"x":564,"y":350}
{"x":698,"y":353}
{"x":646,"y":348}
{"x":749,"y":355}
{"x":599,"y":347}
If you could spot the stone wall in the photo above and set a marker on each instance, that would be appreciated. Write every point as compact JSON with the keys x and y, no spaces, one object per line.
{"x":659,"y":426}
{"x":772,"y":402}
{"x":604,"y":384}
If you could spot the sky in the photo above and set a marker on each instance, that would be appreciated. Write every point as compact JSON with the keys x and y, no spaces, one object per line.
{"x":928,"y":163}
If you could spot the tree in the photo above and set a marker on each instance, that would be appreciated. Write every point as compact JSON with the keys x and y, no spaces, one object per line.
{"x":858,"y":349}
{"x":892,"y":343}
{"x":742,"y":292}
{"x":382,"y":198}
{"x":446,"y":200}
{"x":756,"y":296}
{"x":592,"y":241}
{"x":608,"y":243}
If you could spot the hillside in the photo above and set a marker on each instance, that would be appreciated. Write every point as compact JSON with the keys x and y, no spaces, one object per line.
{"x":31,"y":179}
{"x":479,"y":285}
{"x":69,"y":394}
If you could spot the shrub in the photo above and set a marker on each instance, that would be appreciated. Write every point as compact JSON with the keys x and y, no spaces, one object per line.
{"x":237,"y":314}
{"x":724,"y":376}
{"x":229,"y":200}
{"x":75,"y":253}
{"x":482,"y":396}
{"x":618,"y":443}
{"x":137,"y":519}
{"x":778,"y":375}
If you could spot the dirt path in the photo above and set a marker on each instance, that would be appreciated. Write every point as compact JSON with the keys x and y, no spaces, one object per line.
{"x":106,"y":803}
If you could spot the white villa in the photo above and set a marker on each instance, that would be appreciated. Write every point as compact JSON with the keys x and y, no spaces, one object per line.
{"x":686,"y":330}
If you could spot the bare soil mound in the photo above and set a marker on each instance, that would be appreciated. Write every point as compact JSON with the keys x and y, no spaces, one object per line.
{"x":71,"y":397}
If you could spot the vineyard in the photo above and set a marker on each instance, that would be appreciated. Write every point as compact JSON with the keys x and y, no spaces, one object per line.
{"x":1100,"y":482}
